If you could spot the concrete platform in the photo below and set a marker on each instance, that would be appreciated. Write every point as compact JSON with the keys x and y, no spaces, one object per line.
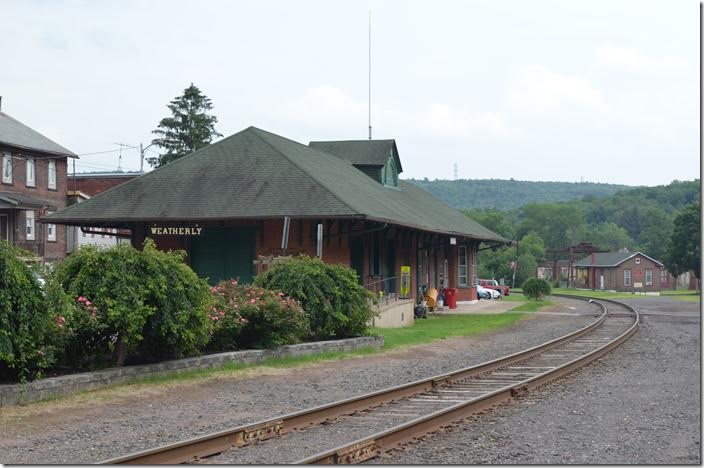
{"x":484,"y":306}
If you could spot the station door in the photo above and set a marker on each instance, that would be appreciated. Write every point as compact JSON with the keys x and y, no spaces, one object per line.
{"x":222,"y":253}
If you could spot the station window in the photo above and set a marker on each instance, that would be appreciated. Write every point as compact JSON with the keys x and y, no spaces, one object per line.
{"x":627,"y":277}
{"x":51,"y":231}
{"x":663,"y":276}
{"x":30,"y":225}
{"x":30,"y":173}
{"x":648,"y":277}
{"x":52,"y":174}
{"x":7,"y":168}
{"x":637,"y":260}
{"x":462,"y":263}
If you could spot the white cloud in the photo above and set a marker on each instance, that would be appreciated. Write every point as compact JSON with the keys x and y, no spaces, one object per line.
{"x":537,"y":89}
{"x":632,"y":60}
{"x":325,"y":107}
{"x":443,"y":120}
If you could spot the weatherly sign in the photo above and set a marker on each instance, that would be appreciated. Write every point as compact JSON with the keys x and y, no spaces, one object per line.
{"x":176,"y":231}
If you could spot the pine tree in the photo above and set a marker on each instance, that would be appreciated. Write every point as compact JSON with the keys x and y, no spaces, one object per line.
{"x":189,"y":129}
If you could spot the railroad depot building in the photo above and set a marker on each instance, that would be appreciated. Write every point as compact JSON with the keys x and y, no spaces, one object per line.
{"x":32,"y":184}
{"x":622,"y":271}
{"x":225,"y":206}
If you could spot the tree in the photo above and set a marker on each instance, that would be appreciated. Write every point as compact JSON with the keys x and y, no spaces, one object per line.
{"x":612,"y":237}
{"x":684,"y":253}
{"x":536,"y":288}
{"x":189,"y":129}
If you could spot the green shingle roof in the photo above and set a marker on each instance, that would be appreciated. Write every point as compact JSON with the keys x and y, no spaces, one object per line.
{"x":610,"y":259}
{"x":255,"y":174}
{"x":361,"y":152}
{"x":15,"y":133}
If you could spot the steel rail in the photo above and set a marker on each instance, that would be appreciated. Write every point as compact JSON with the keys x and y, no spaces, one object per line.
{"x":369,"y":447}
{"x":212,"y":444}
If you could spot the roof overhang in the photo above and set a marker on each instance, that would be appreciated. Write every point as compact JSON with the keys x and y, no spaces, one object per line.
{"x":16,"y":201}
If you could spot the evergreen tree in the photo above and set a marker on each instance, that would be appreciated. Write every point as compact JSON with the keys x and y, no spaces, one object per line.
{"x":189,"y":128}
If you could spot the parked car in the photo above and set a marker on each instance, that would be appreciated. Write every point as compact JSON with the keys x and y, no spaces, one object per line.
{"x":483,"y":293}
{"x":493,"y":284}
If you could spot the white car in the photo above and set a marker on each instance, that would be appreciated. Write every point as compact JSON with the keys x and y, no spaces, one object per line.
{"x":485,"y":293}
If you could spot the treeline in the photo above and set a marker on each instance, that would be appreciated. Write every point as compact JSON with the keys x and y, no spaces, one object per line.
{"x":510,"y":194}
{"x":640,"y":218}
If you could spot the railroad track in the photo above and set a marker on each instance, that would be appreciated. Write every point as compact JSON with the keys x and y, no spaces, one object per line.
{"x":380,"y":421}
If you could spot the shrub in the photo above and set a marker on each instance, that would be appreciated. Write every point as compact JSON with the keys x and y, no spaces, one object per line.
{"x":253,"y":317}
{"x":142,"y":303}
{"x":336,"y":304}
{"x":536,"y":288}
{"x":26,"y":323}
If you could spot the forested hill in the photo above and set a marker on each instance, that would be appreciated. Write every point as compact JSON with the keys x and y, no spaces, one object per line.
{"x":510,"y":194}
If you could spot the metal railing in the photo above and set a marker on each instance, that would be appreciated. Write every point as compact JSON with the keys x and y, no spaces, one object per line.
{"x":386,"y":290}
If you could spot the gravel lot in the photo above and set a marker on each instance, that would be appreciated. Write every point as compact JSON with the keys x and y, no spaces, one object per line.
{"x":638,"y":405}
{"x":111,"y":423}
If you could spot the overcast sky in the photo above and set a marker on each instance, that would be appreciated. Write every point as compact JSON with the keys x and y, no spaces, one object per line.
{"x":604,"y":91}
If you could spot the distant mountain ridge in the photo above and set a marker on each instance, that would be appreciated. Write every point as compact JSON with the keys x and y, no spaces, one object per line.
{"x":510,"y":194}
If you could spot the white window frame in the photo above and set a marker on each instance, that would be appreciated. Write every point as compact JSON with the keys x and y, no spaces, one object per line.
{"x":475,"y":255}
{"x":50,"y":231}
{"x":30,"y":175}
{"x":627,"y":277}
{"x":648,"y":282}
{"x":51,"y":174}
{"x":31,"y":229}
{"x":462,"y":255}
{"x":7,"y":168}
{"x":637,"y":260}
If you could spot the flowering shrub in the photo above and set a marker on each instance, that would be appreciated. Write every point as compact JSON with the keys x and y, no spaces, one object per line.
{"x":336,"y":304}
{"x":251,"y":317}
{"x":26,"y":323}
{"x":121,"y":301}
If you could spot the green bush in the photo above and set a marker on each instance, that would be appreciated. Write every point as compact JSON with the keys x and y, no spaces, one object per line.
{"x":253,"y":317}
{"x":536,"y":288}
{"x":336,"y":305}
{"x":26,"y":324}
{"x":146,"y":304}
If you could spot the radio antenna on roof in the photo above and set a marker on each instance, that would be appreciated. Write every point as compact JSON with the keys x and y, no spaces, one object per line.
{"x":370,"y":74}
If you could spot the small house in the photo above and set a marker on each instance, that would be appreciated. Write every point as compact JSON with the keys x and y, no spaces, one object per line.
{"x":621,"y":271}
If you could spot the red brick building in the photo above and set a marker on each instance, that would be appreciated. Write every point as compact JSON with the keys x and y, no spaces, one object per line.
{"x":32,"y":185}
{"x":622,"y":271}
{"x":225,"y":205}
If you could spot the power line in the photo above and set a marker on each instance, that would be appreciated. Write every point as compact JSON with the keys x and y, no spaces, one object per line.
{"x":108,"y":151}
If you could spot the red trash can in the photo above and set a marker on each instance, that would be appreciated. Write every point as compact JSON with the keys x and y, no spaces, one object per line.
{"x":451,"y":297}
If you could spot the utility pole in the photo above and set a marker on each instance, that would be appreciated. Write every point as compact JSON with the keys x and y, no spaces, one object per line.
{"x":141,"y":158}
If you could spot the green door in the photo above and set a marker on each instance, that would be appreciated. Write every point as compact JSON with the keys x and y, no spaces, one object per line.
{"x":357,"y":257}
{"x":222,"y":253}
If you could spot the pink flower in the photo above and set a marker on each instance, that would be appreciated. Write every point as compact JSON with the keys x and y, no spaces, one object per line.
{"x":88,"y":303}
{"x":281,"y":294}
{"x":251,"y":301}
{"x":81,"y":299}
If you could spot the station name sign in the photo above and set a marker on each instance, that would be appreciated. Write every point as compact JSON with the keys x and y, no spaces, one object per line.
{"x":176,"y":231}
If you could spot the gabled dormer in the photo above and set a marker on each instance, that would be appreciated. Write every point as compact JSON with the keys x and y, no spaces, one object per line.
{"x":378,"y":159}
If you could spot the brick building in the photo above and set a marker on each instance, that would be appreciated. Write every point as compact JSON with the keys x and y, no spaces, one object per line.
{"x":32,"y":185}
{"x":622,"y":271}
{"x":225,"y":206}
{"x":83,"y":186}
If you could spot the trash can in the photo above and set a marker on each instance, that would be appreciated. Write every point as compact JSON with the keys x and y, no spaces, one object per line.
{"x":451,"y":297}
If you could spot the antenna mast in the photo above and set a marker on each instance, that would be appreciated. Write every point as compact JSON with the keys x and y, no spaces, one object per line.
{"x":370,"y":74}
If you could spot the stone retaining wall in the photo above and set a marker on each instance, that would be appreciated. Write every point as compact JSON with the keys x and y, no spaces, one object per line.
{"x":56,"y":386}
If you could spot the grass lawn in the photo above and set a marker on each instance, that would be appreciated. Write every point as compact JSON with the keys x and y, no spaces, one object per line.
{"x":444,"y":326}
{"x":683,"y":295}
{"x":532,"y":306}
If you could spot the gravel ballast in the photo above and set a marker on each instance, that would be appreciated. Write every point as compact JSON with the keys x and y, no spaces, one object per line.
{"x":639,"y":404}
{"x":96,"y":427}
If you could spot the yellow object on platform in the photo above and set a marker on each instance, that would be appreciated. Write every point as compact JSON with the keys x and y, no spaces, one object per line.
{"x":431,"y":297}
